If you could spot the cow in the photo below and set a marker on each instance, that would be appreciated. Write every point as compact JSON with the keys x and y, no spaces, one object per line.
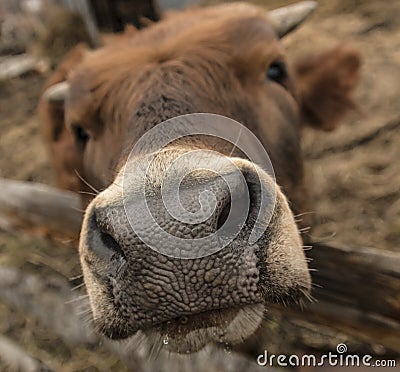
{"x":224,"y":60}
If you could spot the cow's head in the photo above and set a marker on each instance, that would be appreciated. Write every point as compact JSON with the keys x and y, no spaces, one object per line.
{"x":225,"y":60}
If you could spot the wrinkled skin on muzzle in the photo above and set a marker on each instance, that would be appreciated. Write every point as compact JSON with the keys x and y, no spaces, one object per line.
{"x":140,"y":279}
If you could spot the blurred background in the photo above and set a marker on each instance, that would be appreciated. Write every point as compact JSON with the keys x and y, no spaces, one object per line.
{"x":355,"y":170}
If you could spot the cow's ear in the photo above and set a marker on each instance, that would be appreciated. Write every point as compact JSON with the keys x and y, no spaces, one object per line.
{"x":326,"y":82}
{"x":60,"y":75}
{"x":59,"y":140}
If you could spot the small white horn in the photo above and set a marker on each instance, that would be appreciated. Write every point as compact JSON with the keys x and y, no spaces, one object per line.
{"x":287,"y":18}
{"x":57,"y":92}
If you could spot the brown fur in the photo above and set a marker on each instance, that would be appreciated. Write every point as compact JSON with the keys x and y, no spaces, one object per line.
{"x":326,"y":81}
{"x":63,"y":153}
{"x":233,"y":50}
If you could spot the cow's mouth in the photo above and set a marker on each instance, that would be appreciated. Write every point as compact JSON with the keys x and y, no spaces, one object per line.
{"x":190,"y":333}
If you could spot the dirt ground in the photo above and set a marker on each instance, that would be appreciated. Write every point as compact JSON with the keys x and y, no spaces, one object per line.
{"x":355,"y":170}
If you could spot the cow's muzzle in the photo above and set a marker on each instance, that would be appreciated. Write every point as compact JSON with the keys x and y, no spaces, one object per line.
{"x":189,"y":281}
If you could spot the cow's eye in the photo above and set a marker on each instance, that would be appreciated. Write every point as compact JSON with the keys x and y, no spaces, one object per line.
{"x":80,"y":134}
{"x":277,"y":72}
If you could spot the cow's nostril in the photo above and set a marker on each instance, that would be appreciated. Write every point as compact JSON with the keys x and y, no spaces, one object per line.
{"x":106,"y":248}
{"x":234,"y":214}
{"x":223,"y":215}
{"x":101,"y":242}
{"x":116,"y":259}
{"x":111,"y":243}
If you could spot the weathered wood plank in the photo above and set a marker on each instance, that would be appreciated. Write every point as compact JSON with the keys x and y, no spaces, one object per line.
{"x":33,"y":205}
{"x":357,"y":292}
{"x":18,"y":359}
{"x":14,"y":66}
{"x":50,"y":302}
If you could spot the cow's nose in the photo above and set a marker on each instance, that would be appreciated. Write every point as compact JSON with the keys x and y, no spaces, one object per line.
{"x":146,"y":269}
{"x":198,"y":220}
{"x":170,"y":257}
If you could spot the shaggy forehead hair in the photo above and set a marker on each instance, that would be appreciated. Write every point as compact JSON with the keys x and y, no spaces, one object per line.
{"x":243,"y":44}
